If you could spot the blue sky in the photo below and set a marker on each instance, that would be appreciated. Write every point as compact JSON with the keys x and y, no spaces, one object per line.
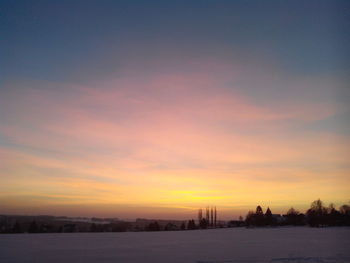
{"x":50,"y":39}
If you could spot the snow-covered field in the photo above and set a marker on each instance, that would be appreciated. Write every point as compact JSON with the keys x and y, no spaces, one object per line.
{"x":294,"y":244}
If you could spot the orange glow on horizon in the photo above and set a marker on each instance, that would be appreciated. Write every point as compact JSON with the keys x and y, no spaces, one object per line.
{"x":165,"y":146}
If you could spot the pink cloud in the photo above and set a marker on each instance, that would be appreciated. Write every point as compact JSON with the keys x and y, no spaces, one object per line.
{"x":159,"y":130}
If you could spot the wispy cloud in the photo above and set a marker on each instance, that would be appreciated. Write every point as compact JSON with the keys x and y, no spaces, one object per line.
{"x":166,"y":139}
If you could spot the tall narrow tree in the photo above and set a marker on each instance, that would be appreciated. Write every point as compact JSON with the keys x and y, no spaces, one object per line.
{"x":215,"y":217}
{"x":200,"y":216}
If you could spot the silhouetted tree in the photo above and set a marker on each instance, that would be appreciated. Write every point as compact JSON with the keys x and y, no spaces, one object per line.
{"x":268,"y":212}
{"x":33,"y":227}
{"x":120,"y":226}
{"x":154,"y":226}
{"x":259,"y":216}
{"x":259,"y":210}
{"x":316,"y":215}
{"x":333,"y":216}
{"x":294,"y":217}
{"x":345,"y":215}
{"x":344,"y":209}
{"x":268,"y":217}
{"x":93,"y":228}
{"x":191,"y":225}
{"x":293,"y":212}
{"x":16,"y":228}
{"x":291,"y":216}
{"x":183,"y":226}
{"x":70,"y":228}
{"x":203,"y":224}
{"x":46,"y":228}
{"x":170,"y":227}
{"x":250,"y":218}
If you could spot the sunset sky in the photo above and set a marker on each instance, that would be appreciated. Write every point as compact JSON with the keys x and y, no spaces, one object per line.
{"x":157,"y":108}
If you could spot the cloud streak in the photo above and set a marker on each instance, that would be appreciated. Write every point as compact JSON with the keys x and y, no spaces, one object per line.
{"x":166,"y":138}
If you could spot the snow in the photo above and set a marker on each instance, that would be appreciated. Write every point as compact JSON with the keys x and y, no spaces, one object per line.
{"x":237,"y":245}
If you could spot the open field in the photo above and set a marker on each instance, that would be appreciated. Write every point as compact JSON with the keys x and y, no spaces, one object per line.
{"x":294,"y":244}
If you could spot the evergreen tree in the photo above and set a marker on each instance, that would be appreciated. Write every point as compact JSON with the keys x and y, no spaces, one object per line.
{"x":259,"y":210}
{"x":203,"y":224}
{"x":268,"y":212}
{"x":191,"y":225}
{"x":259,"y":216}
{"x":268,"y":217}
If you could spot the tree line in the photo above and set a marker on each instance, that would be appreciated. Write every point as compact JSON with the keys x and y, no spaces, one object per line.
{"x":316,"y":216}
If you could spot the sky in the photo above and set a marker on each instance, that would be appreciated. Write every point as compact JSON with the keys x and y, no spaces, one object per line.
{"x":155,"y":109}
